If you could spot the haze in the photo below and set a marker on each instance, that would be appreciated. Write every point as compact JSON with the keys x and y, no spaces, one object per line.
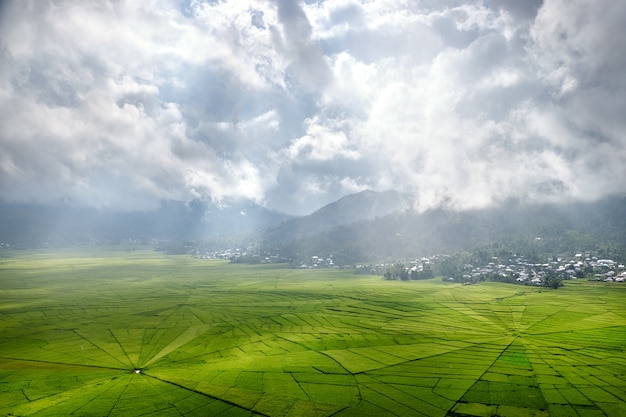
{"x":125,"y":104}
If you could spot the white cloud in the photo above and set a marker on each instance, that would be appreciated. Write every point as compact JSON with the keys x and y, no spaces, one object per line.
{"x":322,"y":142}
{"x":293,"y":105}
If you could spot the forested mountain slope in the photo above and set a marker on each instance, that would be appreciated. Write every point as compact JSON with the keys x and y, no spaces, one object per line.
{"x":406,"y":233}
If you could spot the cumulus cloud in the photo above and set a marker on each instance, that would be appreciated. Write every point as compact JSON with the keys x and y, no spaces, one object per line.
{"x":292,"y":104}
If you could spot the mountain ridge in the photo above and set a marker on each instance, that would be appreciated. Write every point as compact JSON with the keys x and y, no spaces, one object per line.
{"x":26,"y":225}
{"x":361,"y":227}
{"x":575,"y":226}
{"x":364,"y":205}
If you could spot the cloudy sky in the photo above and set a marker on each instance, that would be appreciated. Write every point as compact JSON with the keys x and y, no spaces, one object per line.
{"x":293,"y":104}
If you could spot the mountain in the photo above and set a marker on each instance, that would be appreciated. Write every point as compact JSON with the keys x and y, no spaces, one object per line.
{"x":531,"y":228}
{"x":365,"y":227}
{"x":33,"y":225}
{"x":365,"y":205}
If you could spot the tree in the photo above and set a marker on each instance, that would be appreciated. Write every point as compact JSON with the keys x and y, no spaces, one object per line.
{"x":449,"y":267}
{"x":552,"y":280}
{"x":397,"y":271}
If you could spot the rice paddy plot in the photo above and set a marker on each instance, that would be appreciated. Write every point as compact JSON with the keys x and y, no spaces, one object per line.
{"x":139,"y":333}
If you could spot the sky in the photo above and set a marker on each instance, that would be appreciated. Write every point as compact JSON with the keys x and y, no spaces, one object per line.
{"x":293,"y":104}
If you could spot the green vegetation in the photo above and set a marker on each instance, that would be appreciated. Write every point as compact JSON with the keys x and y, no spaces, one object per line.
{"x":514,"y":226}
{"x":140,"y":333}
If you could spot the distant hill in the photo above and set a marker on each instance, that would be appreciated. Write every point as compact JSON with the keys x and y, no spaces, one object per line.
{"x":365,"y":227}
{"x":32,"y":225}
{"x":405,"y":233}
{"x":365,"y":205}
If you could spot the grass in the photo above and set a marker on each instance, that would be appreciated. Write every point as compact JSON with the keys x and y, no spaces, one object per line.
{"x":116,"y":333}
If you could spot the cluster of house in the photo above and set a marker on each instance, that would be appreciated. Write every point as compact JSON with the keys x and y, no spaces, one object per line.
{"x":320,"y":262}
{"x":517,"y":269}
{"x":238,"y":255}
{"x":608,"y":270}
{"x":220,"y":254}
{"x":244,"y":255}
{"x":523,"y":271}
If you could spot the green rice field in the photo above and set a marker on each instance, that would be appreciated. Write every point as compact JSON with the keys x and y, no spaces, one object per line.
{"x":138,"y":333}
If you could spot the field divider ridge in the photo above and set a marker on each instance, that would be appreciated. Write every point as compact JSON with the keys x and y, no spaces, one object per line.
{"x":120,"y":396}
{"x":513,"y":339}
{"x":206,"y":394}
{"x":123,"y":350}
{"x":183,"y":338}
{"x":65,"y":363}
{"x":98,"y":347}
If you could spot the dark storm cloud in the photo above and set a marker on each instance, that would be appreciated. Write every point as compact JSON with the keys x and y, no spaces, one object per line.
{"x":293,"y":104}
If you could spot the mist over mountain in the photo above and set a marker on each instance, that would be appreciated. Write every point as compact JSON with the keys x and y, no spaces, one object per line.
{"x":365,"y":205}
{"x":33,"y":225}
{"x":405,"y":233}
{"x":368,"y":226}
{"x":36,"y":225}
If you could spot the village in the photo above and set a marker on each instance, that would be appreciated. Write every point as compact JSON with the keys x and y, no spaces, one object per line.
{"x":523,"y":271}
{"x":516,"y":269}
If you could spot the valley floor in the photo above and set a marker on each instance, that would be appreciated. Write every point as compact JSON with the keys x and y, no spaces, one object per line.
{"x":138,"y":333}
